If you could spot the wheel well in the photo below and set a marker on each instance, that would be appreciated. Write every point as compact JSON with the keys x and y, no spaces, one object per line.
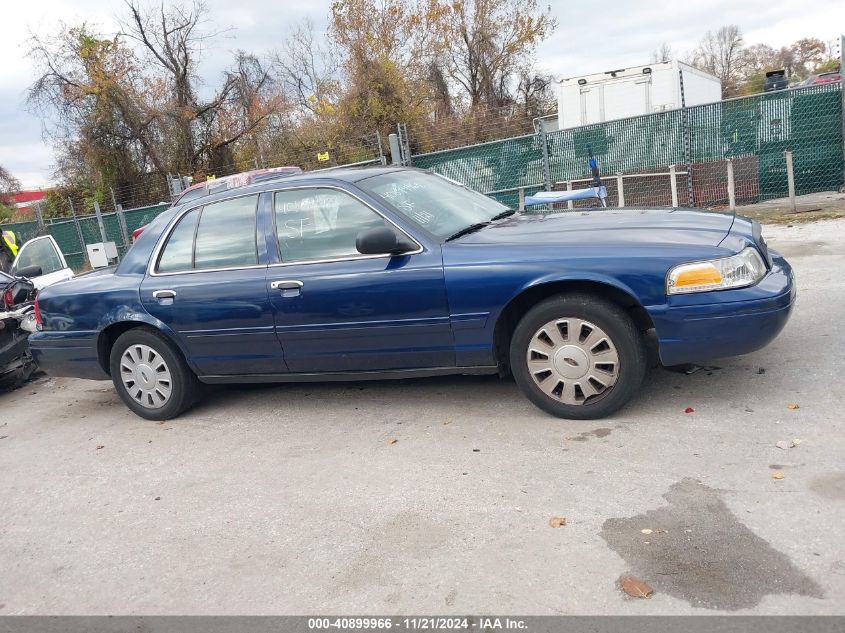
{"x":109,"y":335}
{"x":523,"y":302}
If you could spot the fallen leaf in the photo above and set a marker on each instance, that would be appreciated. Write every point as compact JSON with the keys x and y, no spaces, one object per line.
{"x":777,"y":475}
{"x":557,"y":522}
{"x":99,"y":446}
{"x":447,"y":422}
{"x":646,"y":531}
{"x":662,"y":531}
{"x":635,"y":587}
{"x":689,"y":410}
{"x":792,"y":406}
{"x":795,"y":442}
{"x":392,"y":440}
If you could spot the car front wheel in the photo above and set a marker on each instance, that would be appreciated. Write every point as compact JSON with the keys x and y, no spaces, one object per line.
{"x":578,"y":356}
{"x":151,"y":376}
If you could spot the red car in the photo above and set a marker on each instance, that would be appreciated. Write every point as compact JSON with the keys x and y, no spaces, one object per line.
{"x":215,"y":185}
{"x":823,"y":78}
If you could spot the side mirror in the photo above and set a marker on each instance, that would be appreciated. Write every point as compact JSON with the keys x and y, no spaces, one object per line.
{"x":29,"y":271}
{"x":381,"y":241}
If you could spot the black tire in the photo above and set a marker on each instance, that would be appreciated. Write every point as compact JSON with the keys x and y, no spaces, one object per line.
{"x":185,"y":388}
{"x":619,"y":328}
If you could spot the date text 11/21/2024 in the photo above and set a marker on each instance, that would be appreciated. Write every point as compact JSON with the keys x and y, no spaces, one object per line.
{"x":418,"y":623}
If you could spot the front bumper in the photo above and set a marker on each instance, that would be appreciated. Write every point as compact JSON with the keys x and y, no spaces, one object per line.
{"x":697,"y":327}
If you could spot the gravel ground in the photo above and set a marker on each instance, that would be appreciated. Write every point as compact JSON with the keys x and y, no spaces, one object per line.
{"x":296,"y":499}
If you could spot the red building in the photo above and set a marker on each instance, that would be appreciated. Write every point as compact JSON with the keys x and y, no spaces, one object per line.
{"x":23,"y":201}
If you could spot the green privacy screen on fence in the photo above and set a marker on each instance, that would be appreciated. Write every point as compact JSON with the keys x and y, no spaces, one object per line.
{"x":753,"y":131}
{"x":67,"y":231}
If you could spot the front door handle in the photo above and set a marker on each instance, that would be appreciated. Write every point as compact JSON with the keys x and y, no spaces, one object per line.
{"x":286,"y":284}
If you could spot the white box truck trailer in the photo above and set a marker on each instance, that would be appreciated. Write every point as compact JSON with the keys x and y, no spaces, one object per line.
{"x":626,"y":92}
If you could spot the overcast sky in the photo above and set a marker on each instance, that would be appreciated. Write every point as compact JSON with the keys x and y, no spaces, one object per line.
{"x":589,"y":38}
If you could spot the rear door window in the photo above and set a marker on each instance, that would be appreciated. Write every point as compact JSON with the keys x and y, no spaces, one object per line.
{"x":226,"y":234}
{"x":219,"y":235}
{"x":178,"y":253}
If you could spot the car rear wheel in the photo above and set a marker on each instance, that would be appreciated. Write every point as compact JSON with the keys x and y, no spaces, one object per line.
{"x":578,"y":356}
{"x":151,"y":376}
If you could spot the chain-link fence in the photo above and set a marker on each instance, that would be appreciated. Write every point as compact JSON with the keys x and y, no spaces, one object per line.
{"x":285,"y":150}
{"x":678,"y":157}
{"x":153,"y":194}
{"x":733,"y":151}
{"x":72,"y":234}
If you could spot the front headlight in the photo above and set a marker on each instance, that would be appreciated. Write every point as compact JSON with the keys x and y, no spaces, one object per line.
{"x":743,"y":269}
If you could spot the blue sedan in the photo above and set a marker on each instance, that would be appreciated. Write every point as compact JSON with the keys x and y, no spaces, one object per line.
{"x":395,"y":273}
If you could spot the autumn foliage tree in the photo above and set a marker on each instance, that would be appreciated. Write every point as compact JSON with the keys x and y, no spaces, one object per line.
{"x":118,"y":108}
{"x":742,"y":69}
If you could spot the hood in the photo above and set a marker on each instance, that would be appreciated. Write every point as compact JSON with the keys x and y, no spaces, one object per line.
{"x":608,"y":226}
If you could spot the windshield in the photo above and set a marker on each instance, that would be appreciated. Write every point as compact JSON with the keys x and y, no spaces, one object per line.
{"x":432,"y":202}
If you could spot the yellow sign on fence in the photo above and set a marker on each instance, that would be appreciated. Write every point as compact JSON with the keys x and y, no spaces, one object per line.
{"x":323,"y":156}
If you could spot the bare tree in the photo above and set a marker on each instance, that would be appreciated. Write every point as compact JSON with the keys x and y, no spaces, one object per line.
{"x":536,"y":93}
{"x":245,"y":103}
{"x":94,"y":102}
{"x":441,"y":94}
{"x":8,"y":183}
{"x":490,"y":42}
{"x":172,"y":38}
{"x":662,"y":53}
{"x":307,"y":70}
{"x":721,"y":54}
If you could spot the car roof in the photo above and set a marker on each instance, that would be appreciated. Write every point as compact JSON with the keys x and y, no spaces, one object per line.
{"x":327,"y":176}
{"x":347,"y":174}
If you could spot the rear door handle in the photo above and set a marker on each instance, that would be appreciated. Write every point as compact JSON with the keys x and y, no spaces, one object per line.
{"x":164,"y":294}
{"x":286,"y":284}
{"x":287,"y":287}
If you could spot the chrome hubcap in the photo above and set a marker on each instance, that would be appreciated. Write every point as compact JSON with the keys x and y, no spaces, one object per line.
{"x":572,"y":360}
{"x":146,"y":376}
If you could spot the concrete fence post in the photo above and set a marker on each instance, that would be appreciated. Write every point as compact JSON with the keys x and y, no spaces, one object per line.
{"x":620,"y":189}
{"x":790,"y":179}
{"x":569,"y":188}
{"x":673,"y":184}
{"x":731,"y":185}
{"x":522,"y":198}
